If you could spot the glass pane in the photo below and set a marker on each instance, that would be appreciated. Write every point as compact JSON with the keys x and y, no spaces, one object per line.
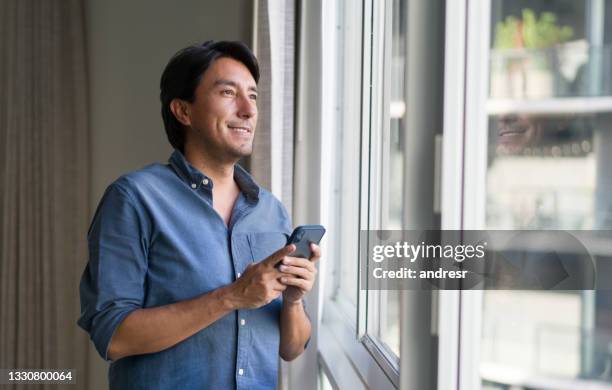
{"x":393,"y":184}
{"x":542,"y":171}
{"x":549,"y":140}
{"x":345,"y":202}
{"x":552,"y":48}
{"x":402,"y":184}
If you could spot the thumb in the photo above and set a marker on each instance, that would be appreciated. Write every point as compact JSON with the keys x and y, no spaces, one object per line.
{"x":279,"y":254}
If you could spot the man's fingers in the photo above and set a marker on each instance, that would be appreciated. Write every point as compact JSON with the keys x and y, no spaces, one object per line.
{"x":316,"y":252}
{"x":299,"y":262}
{"x":297,"y":282}
{"x":281,"y":287}
{"x":297,"y":271}
{"x":279,"y":254}
{"x":278,"y":286}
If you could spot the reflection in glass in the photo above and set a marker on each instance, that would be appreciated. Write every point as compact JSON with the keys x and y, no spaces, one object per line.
{"x":549,"y":168}
{"x":541,"y":172}
{"x":567,"y":70}
{"x":546,"y":49}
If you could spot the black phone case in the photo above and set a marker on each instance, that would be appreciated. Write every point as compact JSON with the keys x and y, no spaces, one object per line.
{"x":302,"y":236}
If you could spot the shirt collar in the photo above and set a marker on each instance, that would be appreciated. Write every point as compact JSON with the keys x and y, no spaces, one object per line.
{"x":194,"y":178}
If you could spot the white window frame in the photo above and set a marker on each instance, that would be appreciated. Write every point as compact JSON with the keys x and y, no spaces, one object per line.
{"x":451,"y":198}
{"x":475,"y":170}
{"x":344,"y":350}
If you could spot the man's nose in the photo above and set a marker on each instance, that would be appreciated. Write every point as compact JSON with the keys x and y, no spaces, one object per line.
{"x":247,"y":107}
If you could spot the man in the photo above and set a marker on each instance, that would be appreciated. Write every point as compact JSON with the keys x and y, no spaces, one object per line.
{"x":181,"y":289}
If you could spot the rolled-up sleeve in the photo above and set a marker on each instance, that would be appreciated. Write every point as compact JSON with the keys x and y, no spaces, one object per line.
{"x":113,"y":283}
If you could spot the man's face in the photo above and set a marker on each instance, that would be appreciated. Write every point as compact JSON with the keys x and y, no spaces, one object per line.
{"x":224,"y":111}
{"x":516,"y":132}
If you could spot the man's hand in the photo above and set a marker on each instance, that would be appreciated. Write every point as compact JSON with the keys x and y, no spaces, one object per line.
{"x":298,"y":275}
{"x":157,"y":328}
{"x":259,"y":284}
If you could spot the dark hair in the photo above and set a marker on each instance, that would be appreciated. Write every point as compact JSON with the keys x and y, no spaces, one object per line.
{"x":184,"y":72}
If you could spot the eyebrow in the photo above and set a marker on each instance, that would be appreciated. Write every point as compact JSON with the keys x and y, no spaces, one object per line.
{"x":232,"y":84}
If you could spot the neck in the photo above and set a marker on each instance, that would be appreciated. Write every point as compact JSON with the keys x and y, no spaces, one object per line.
{"x":221,"y":172}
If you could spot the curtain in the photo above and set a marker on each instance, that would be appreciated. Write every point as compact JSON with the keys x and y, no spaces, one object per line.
{"x":274,"y":44}
{"x":272,"y":160}
{"x":44,"y":152}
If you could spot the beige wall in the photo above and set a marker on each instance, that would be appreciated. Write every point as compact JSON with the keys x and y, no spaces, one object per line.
{"x":128,"y":45}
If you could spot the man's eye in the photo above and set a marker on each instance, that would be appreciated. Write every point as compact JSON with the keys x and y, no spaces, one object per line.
{"x":254,"y":97}
{"x":228,"y":92}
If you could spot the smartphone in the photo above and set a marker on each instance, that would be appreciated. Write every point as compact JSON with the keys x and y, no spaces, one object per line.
{"x":302,"y":236}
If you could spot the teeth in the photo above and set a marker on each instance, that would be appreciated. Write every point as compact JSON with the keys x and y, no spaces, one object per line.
{"x":240,"y":129}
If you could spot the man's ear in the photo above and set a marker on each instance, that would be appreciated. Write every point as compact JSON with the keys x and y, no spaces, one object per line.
{"x":181,"y":111}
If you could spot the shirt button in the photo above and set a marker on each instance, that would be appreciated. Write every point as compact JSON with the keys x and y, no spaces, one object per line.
{"x":238,"y":275}
{"x":194,"y":185}
{"x":205,"y":182}
{"x":242,"y":321}
{"x":241,"y":372}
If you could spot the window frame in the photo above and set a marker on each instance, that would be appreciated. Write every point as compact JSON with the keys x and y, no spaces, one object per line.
{"x":474,"y":177}
{"x":357,"y":360}
{"x":451,"y":198}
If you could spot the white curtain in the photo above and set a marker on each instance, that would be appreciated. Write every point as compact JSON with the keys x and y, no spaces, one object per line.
{"x":274,"y":45}
{"x":272,"y":159}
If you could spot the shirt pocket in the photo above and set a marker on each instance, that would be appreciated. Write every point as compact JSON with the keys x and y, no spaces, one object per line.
{"x":263,"y":244}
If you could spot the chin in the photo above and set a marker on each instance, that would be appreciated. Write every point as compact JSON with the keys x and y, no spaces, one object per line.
{"x":242,"y":152}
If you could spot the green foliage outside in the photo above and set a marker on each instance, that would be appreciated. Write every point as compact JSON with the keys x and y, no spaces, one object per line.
{"x":533,"y":32}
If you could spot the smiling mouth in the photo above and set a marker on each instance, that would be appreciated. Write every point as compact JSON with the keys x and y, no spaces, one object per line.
{"x":512,"y":130}
{"x":241,"y":129}
{"x":511,"y":133}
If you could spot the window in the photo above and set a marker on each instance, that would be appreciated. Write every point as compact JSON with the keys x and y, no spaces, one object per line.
{"x":345,"y":158}
{"x":378,"y":136}
{"x":490,"y":114}
{"x":537,"y":142}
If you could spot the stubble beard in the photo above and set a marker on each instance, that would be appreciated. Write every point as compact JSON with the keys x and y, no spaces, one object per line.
{"x":223,"y":151}
{"x":241,"y":151}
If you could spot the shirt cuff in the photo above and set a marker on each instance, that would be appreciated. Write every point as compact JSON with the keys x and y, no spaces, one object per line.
{"x":105,"y":326}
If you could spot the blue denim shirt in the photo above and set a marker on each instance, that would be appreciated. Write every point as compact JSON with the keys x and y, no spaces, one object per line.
{"x":155,"y":239}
